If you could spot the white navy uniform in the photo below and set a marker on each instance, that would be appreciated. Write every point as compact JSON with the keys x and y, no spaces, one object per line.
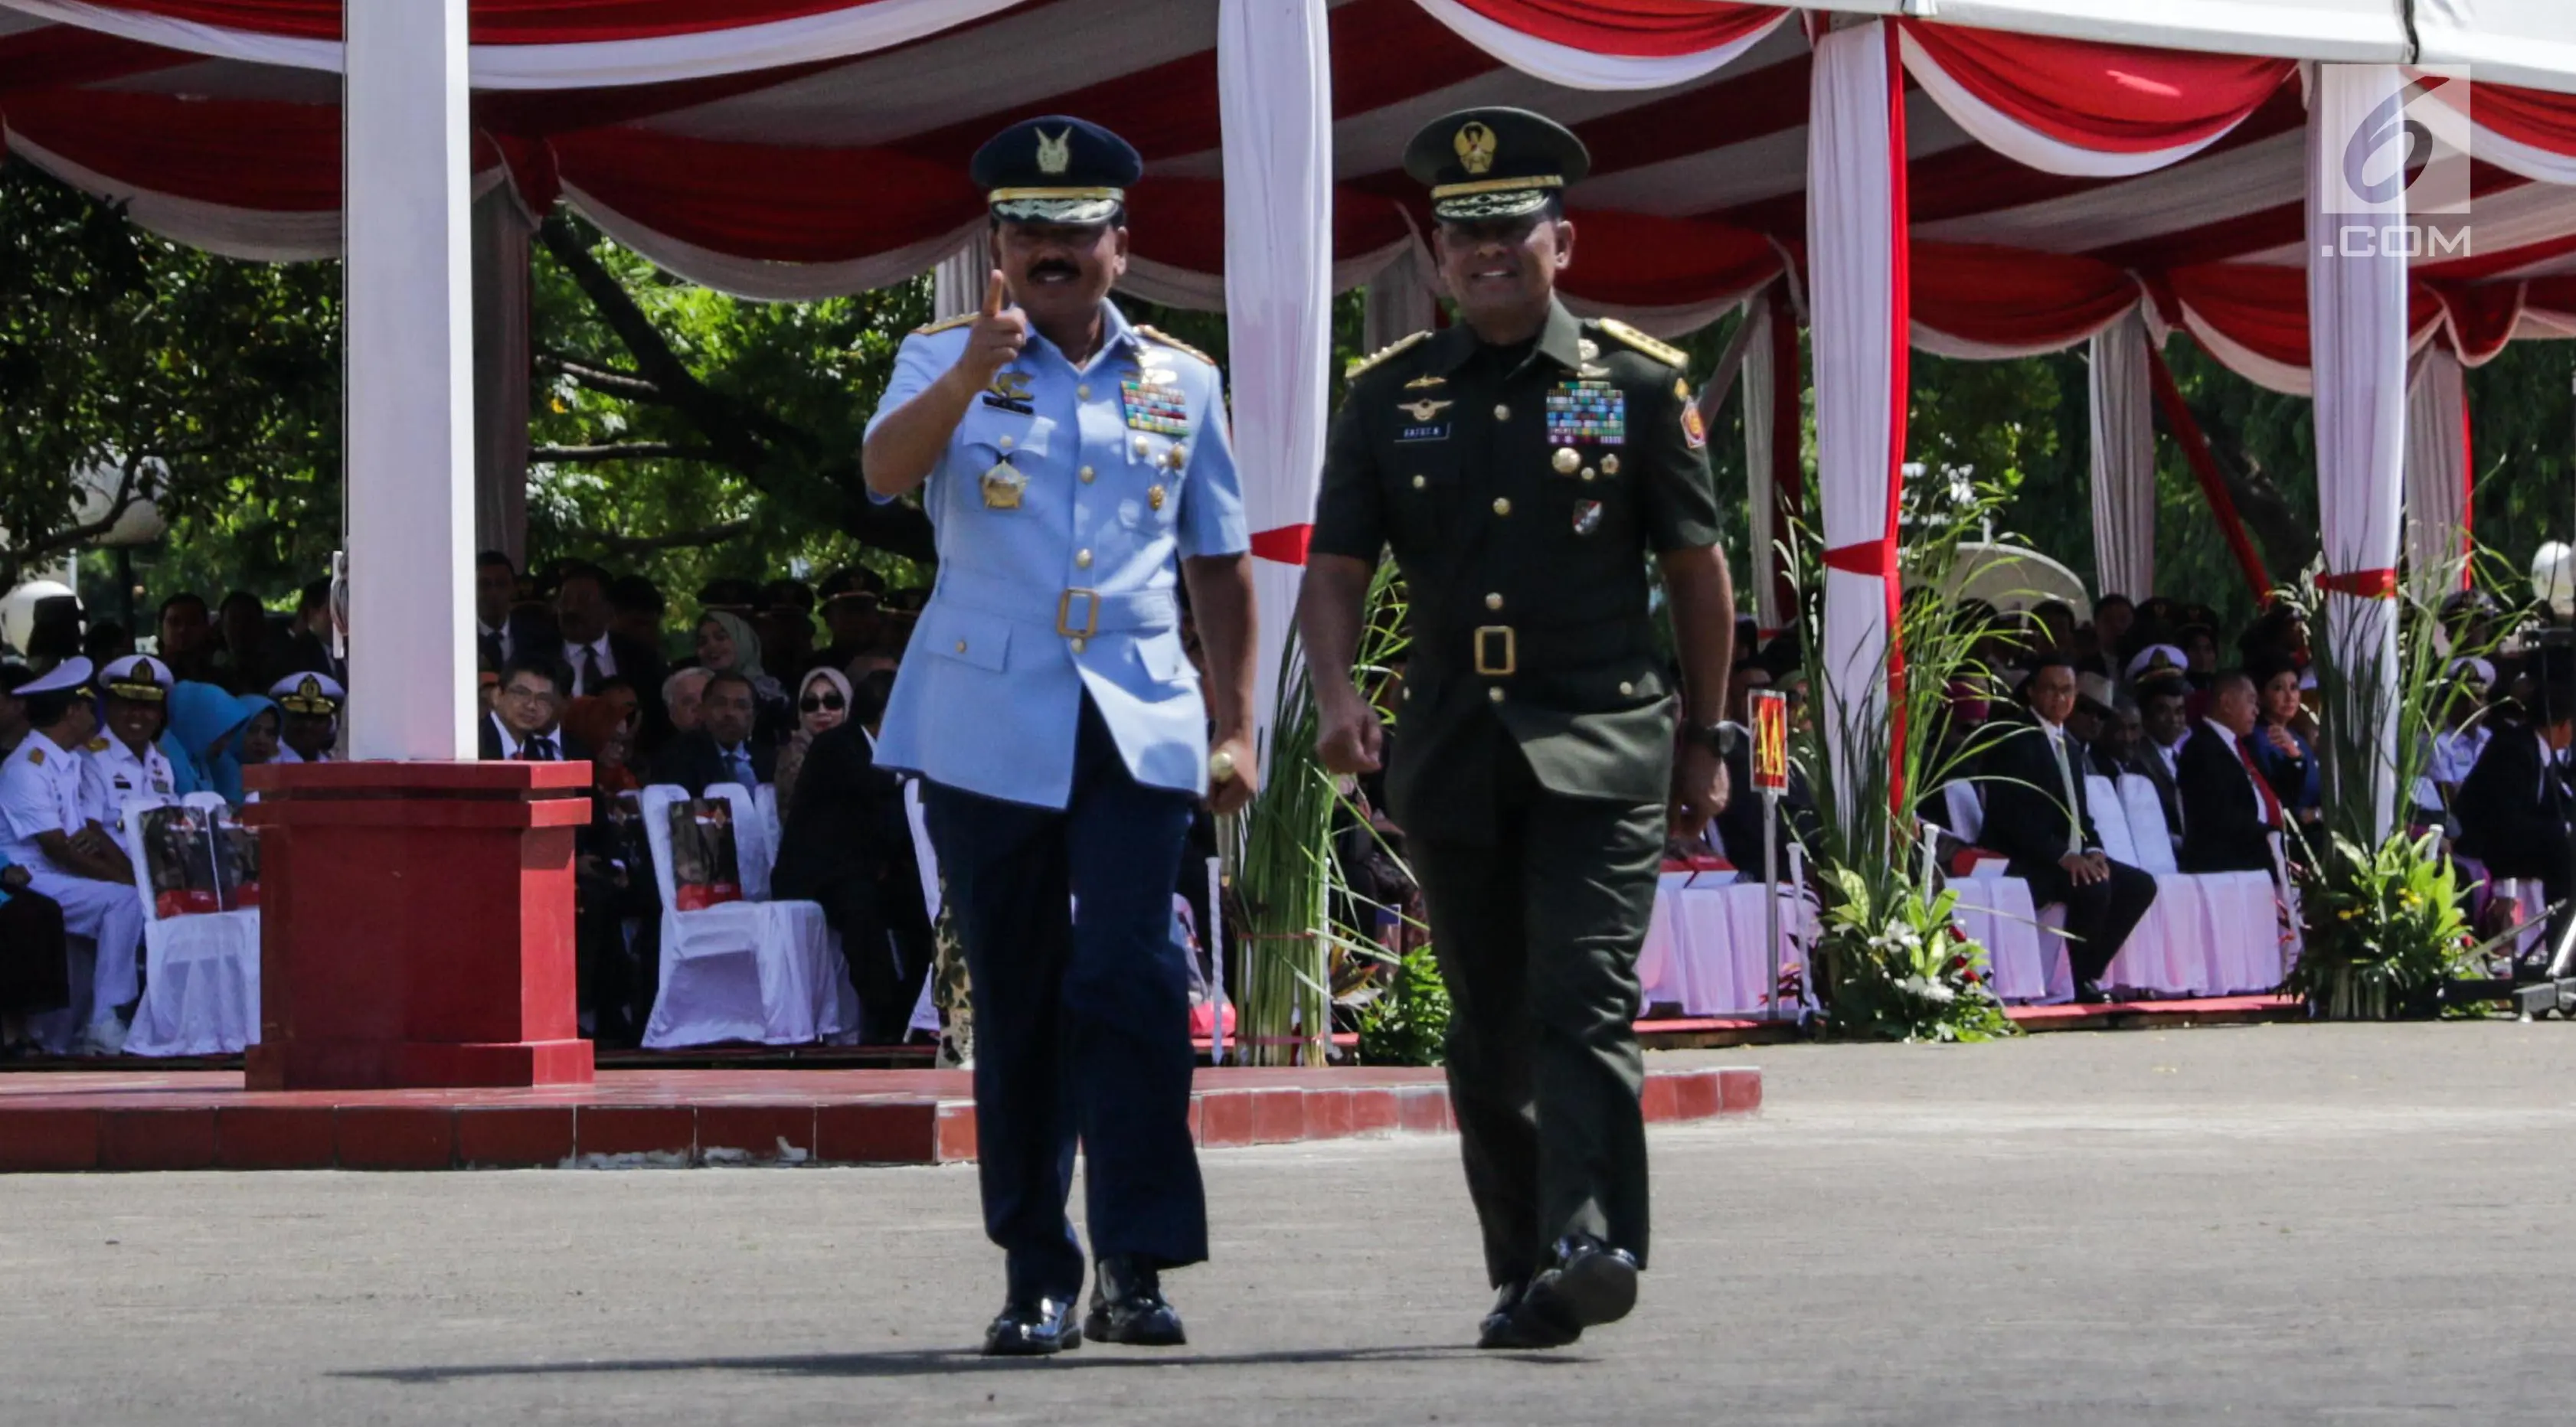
{"x":112,"y":773}
{"x":40,"y":792}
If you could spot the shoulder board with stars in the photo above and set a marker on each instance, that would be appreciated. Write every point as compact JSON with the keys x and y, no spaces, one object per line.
{"x":1177,"y":345}
{"x":1361,"y":364}
{"x":95,"y":745}
{"x":1663,"y":352}
{"x":945,"y":323}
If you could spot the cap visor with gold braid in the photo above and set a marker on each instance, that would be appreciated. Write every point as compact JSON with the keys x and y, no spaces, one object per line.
{"x":1494,"y":162}
{"x":1056,"y":169}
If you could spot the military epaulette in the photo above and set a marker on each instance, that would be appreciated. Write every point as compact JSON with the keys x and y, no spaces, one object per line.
{"x":95,"y":745}
{"x":36,"y":756}
{"x":1361,"y":364}
{"x":1175,"y":343}
{"x":1663,"y":352}
{"x":943,"y":324}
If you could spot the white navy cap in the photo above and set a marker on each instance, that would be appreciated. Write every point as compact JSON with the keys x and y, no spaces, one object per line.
{"x":308,"y":693}
{"x":139,"y":677}
{"x":72,"y":673}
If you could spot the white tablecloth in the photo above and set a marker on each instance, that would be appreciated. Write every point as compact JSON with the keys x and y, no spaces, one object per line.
{"x":2026,"y":957}
{"x":1704,"y":950}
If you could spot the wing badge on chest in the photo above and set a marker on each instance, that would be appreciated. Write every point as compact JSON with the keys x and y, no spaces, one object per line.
{"x":1423,"y":420}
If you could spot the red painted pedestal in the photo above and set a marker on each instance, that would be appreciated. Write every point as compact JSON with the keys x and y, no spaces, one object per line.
{"x":416,"y":924}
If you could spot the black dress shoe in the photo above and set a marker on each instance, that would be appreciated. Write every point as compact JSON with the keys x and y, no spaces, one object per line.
{"x":1590,"y":1284}
{"x":1127,"y":1306}
{"x":1513,"y":1324}
{"x":1032,"y":1328}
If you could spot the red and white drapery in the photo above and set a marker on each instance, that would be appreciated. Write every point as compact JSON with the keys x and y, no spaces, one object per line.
{"x":2439,"y":469}
{"x":2124,"y":460}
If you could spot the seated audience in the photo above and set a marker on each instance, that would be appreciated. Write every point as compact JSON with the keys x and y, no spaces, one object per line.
{"x":727,"y":644}
{"x":721,"y":748}
{"x":248,"y":646}
{"x":2515,"y":804}
{"x":2280,"y":741}
{"x":126,"y":761}
{"x":35,"y":960}
{"x":614,"y":898}
{"x":524,"y":726}
{"x":309,"y":729}
{"x":2230,"y":805}
{"x":2163,"y":729}
{"x":823,"y":704}
{"x":69,"y":857}
{"x":680,"y":695}
{"x":187,"y":638}
{"x":2038,"y":817}
{"x":848,"y":845}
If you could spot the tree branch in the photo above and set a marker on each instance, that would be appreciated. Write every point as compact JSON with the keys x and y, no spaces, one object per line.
{"x":677,"y":540}
{"x":607,"y":381}
{"x":623,"y":451}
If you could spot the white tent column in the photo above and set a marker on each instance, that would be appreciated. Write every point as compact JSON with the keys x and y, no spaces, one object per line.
{"x":1275,"y":102}
{"x":2124,"y":461}
{"x":2357,"y":336}
{"x":410,"y":395}
{"x":503,"y":290}
{"x":2437,"y":475}
{"x":1771,"y":439}
{"x":957,"y":284}
{"x":1861,"y":313}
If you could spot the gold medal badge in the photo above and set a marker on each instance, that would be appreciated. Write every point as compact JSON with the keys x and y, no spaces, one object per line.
{"x":1003,"y":486}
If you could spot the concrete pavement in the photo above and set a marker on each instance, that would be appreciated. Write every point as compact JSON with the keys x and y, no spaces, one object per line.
{"x":2259,"y":1225}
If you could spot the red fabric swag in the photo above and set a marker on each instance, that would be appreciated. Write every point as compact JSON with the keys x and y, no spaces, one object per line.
{"x":2013,"y":297}
{"x":258,"y":154}
{"x":2105,"y":97}
{"x":1638,"y":29}
{"x":504,"y":22}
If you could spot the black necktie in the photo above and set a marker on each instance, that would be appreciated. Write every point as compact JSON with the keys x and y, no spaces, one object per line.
{"x":589,"y":669}
{"x":540,"y":749}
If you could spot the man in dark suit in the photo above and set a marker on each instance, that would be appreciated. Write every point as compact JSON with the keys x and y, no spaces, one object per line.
{"x":525,"y":724}
{"x":2037,"y":816}
{"x":720,"y":749}
{"x":848,"y":845}
{"x":2515,"y":804}
{"x":2166,"y":729}
{"x":2229,"y":808}
{"x":594,"y":654}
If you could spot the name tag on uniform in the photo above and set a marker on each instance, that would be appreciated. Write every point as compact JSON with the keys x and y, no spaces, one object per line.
{"x":1153,"y":401}
{"x":1423,"y":420}
{"x":1593,"y":411}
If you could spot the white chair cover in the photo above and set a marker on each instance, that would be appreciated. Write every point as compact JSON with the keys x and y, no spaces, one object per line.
{"x":772,"y":822}
{"x":2110,"y":820}
{"x":1706,"y":950}
{"x":200,"y":973}
{"x":1967,"y":810}
{"x":837,"y":1015}
{"x":741,"y":971}
{"x":2147,"y":826}
{"x":1997,"y":913}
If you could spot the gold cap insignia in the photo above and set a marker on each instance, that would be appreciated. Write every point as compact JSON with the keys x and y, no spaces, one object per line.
{"x":1055,"y":155}
{"x":1475,"y":146}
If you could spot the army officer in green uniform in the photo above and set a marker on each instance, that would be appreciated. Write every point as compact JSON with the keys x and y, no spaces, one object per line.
{"x":1530,"y":471}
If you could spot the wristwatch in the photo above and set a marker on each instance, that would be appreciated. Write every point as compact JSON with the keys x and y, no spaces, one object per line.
{"x":1717,"y":738}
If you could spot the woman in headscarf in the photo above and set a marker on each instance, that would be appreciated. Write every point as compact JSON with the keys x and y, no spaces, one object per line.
{"x":728,"y":644}
{"x":203,"y":721}
{"x":821,"y":705}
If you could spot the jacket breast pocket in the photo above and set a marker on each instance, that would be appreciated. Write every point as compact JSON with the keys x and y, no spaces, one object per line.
{"x":1427,"y":487}
{"x":967,"y":637}
{"x":993,"y":433}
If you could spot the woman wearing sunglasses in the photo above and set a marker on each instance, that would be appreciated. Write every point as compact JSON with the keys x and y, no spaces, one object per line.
{"x":822,"y":704}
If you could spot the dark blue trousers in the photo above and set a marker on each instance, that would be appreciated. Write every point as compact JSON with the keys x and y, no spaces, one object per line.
{"x":1082,"y":1022}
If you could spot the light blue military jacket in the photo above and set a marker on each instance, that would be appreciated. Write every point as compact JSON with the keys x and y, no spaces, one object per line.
{"x":1063,"y":505}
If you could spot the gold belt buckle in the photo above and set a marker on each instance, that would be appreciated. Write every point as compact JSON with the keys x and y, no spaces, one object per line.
{"x":1090,"y":614}
{"x":1510,"y":663}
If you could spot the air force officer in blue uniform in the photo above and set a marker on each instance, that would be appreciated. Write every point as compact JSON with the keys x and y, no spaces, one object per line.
{"x":1077,"y":470}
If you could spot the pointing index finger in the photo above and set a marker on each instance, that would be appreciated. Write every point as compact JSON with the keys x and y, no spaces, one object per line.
{"x":995,"y":294}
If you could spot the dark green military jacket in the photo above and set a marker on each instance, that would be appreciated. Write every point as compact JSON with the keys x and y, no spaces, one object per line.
{"x":1522,"y":501}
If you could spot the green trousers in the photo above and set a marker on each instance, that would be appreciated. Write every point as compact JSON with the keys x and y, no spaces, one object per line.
{"x":1537,"y":931}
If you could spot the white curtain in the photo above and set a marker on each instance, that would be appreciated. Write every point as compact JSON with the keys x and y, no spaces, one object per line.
{"x":957,"y":284}
{"x":1859,"y":304}
{"x":1275,"y":103}
{"x":2357,"y":339}
{"x":503,"y":294}
{"x":2124,"y":461}
{"x":2437,"y":473}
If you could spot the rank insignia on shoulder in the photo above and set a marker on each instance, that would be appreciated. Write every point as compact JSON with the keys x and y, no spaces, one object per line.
{"x":1694,"y":430}
{"x":36,"y":756}
{"x":1003,"y":486}
{"x":95,"y":745}
{"x":1174,"y":343}
{"x":1009,"y":392}
{"x":1381,"y":354}
{"x":945,"y":324}
{"x":1663,"y":352}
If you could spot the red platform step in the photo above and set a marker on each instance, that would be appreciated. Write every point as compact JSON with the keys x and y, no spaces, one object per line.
{"x":207,"y":1120}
